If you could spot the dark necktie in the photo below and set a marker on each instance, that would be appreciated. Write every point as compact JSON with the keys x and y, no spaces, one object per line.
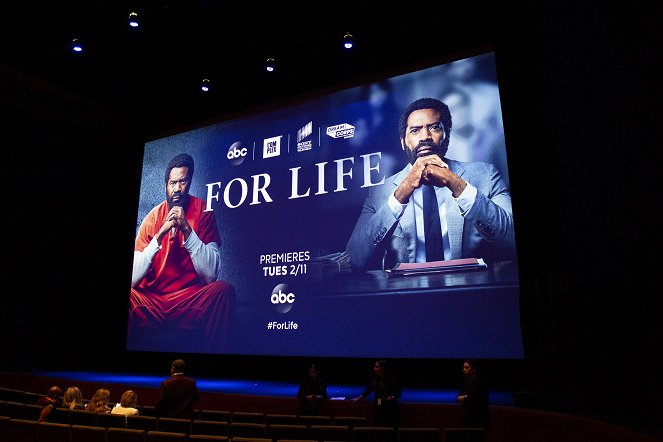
{"x":432,"y":227}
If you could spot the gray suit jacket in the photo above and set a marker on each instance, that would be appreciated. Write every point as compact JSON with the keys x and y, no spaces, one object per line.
{"x":379,"y":240}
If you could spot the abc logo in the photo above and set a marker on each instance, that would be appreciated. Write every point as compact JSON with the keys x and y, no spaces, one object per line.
{"x":237,"y":153}
{"x":282,"y":298}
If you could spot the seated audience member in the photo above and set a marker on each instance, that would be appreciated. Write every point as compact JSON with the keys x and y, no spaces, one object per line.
{"x":127,"y":405}
{"x":73,"y":399}
{"x":51,"y":400}
{"x":99,"y":402}
{"x":52,"y":397}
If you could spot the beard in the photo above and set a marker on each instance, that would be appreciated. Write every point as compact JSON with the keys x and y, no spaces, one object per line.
{"x":177,"y":199}
{"x":424,"y":149}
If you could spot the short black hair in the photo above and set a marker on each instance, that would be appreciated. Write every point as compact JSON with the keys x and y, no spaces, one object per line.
{"x":382,"y":363}
{"x":179,"y":160}
{"x":428,"y":103}
{"x":472,"y":363}
{"x":178,"y":365}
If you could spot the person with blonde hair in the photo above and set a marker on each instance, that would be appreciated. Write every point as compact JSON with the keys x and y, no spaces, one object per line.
{"x":127,"y":405}
{"x":73,"y":399}
{"x":99,"y":402}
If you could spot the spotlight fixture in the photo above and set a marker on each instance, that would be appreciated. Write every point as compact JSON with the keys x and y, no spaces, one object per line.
{"x":76,"y":45}
{"x":205,"y":85}
{"x":348,"y":41}
{"x":270,"y":64}
{"x":133,"y":19}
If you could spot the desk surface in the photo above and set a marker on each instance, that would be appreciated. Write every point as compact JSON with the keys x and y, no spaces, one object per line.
{"x":378,"y":282}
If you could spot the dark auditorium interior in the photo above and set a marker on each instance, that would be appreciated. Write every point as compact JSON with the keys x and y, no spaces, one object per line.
{"x":580,"y":95}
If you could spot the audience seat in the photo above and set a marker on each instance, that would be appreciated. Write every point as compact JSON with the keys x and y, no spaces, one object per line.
{"x":174,"y":425}
{"x":59,"y":415}
{"x":145,"y":423}
{"x":309,"y":420}
{"x":83,"y":417}
{"x":147,"y":410}
{"x":287,"y":419}
{"x":350,"y":421}
{"x":323,"y":433}
{"x":4,"y":424}
{"x":214,"y":415}
{"x":13,"y":395}
{"x":288,"y":431}
{"x":15,"y":410}
{"x":374,"y":434}
{"x":32,"y":412}
{"x":124,"y":435}
{"x":195,"y":437}
{"x":247,"y":429}
{"x":419,"y":434}
{"x":52,"y":432}
{"x":462,"y":434}
{"x":107,"y":420}
{"x":211,"y":428}
{"x":165,"y":436}
{"x":29,"y":397}
{"x":84,"y":433}
{"x":22,"y":430}
{"x":251,"y":439}
{"x":298,"y":440}
{"x":4,"y":393}
{"x":244,"y":416}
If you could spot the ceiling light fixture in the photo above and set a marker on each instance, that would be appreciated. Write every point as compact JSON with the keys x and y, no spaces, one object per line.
{"x":270,"y":64}
{"x":348,"y":41}
{"x":133,"y":19}
{"x":76,"y":45}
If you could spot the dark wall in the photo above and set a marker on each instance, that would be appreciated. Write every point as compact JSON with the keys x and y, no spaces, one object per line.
{"x":580,"y":94}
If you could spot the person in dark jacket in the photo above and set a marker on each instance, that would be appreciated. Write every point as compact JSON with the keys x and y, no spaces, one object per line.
{"x":177,"y":394}
{"x":387,"y":392}
{"x":312,"y":392}
{"x":474,"y":397}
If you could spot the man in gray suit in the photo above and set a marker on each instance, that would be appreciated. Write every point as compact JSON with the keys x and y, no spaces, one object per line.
{"x":473,"y":202}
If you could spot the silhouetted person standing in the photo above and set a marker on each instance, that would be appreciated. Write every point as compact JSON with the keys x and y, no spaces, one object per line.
{"x":387,"y":392}
{"x":178,"y":393}
{"x":312,"y":392}
{"x":474,"y":397}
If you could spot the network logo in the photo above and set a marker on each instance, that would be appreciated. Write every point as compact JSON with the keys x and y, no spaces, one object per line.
{"x":302,"y":135}
{"x":344,"y":130}
{"x":271,"y":147}
{"x":282,"y":299}
{"x":237,"y":153}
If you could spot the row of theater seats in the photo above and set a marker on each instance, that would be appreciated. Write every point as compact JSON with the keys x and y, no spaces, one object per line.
{"x":147,"y":421}
{"x":228,"y":430}
{"x":22,"y":430}
{"x":210,"y":424}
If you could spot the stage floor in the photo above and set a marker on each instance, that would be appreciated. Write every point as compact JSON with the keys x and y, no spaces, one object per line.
{"x":269,"y":388}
